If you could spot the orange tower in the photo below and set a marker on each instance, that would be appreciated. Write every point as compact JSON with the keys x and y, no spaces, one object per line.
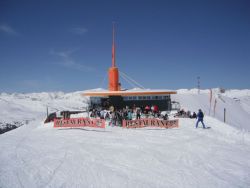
{"x":113,"y":71}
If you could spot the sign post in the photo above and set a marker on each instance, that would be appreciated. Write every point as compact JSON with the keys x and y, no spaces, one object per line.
{"x":224,"y":115}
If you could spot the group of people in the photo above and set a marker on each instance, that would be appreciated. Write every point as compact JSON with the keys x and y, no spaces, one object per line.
{"x":186,"y":114}
{"x":117,"y":115}
{"x":199,"y":116}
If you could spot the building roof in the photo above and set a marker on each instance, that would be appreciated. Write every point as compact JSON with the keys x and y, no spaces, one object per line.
{"x":131,"y":92}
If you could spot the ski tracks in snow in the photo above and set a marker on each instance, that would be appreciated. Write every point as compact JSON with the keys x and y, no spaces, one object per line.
{"x":54,"y":171}
{"x":117,"y":157}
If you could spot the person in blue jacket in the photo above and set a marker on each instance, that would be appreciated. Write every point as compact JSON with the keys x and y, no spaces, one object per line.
{"x":200,"y":116}
{"x":129,"y":115}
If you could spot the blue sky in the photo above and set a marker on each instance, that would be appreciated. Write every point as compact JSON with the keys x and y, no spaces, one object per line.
{"x":60,"y":45}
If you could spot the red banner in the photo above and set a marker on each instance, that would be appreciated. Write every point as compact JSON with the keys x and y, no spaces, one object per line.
{"x":79,"y":122}
{"x":140,"y":123}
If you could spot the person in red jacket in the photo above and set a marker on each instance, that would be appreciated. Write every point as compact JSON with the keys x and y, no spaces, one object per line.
{"x":156,"y":110}
{"x":147,"y":109}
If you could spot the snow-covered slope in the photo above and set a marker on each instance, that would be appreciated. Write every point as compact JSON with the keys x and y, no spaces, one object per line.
{"x":19,"y":107}
{"x":38,"y":155}
{"x":236,"y":103}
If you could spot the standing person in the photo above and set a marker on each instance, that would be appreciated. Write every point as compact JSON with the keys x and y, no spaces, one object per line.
{"x":138,"y":113}
{"x":200,"y":117}
{"x":113,"y":118}
{"x":156,"y":110}
{"x":102,"y":114}
{"x":134,"y":108}
{"x":130,"y":115}
{"x":194,"y":115}
{"x":125,"y":114}
{"x":152,"y":108}
{"x":147,"y":109}
{"x":112,"y":108}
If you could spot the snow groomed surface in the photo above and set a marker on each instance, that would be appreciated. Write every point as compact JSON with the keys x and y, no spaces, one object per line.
{"x":35,"y":155}
{"x":42,"y":156}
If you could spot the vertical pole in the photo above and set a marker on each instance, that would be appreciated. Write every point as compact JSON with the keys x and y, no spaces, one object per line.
{"x":89,"y":104}
{"x":113,"y":46}
{"x":215,"y":101}
{"x":209,"y":108}
{"x":224,"y":115}
{"x":210,"y":100}
{"x":47,"y":111}
{"x":198,"y":84}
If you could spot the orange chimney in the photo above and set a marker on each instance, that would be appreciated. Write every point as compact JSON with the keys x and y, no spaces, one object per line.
{"x":113,"y":71}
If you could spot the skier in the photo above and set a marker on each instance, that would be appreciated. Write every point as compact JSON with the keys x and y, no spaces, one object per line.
{"x":200,"y":116}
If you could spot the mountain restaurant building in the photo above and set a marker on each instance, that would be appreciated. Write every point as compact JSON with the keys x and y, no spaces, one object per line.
{"x":130,"y":98}
{"x":118,"y":98}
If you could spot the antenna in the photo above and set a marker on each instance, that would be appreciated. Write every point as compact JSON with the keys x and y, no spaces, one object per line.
{"x":113,"y":70}
{"x":113,"y":46}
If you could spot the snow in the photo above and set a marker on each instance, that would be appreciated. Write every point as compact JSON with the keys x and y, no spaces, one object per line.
{"x":31,"y":106}
{"x":236,"y":103}
{"x":38,"y":155}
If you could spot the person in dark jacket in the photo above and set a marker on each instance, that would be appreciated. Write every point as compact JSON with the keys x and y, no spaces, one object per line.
{"x":138,"y":113}
{"x":200,"y":117}
{"x":194,"y":115}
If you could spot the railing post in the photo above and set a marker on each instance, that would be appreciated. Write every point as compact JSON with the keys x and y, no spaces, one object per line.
{"x":224,"y":115}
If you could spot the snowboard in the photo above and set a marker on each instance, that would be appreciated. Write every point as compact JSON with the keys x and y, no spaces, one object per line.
{"x":205,"y":128}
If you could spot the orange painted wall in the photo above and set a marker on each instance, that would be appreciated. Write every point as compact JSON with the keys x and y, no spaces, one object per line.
{"x":113,"y":79}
